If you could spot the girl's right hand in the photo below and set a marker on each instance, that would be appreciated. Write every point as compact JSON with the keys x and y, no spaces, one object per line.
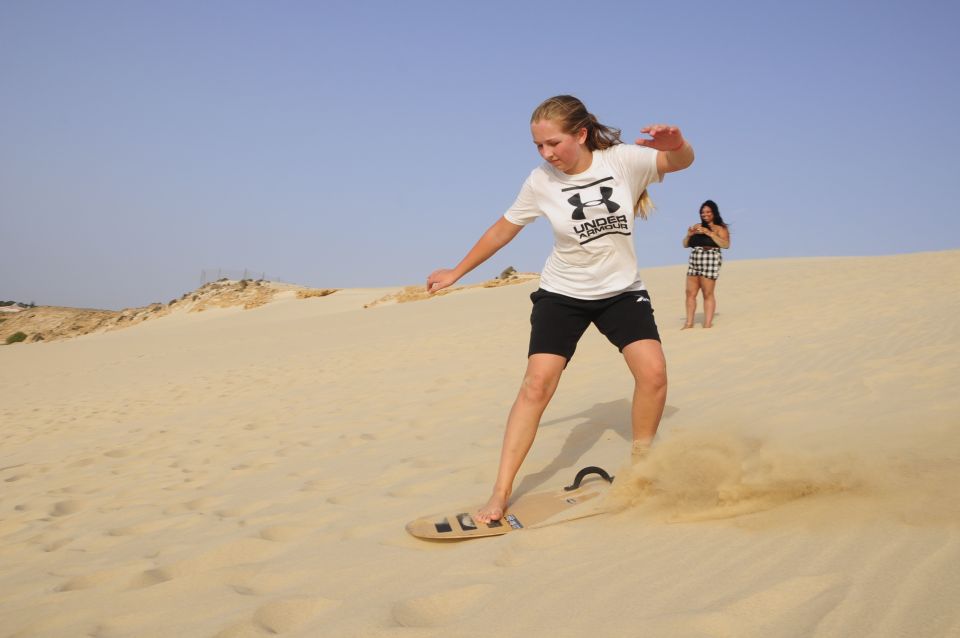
{"x":440,"y":279}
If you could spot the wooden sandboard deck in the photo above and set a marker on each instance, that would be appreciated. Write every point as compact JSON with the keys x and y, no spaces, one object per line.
{"x":579,"y":500}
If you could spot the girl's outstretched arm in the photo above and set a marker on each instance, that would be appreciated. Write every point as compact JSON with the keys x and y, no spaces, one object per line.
{"x":675,"y":152}
{"x":496,"y":237}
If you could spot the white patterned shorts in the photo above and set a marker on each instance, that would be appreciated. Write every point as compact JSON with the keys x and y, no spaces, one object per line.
{"x":704,"y":262}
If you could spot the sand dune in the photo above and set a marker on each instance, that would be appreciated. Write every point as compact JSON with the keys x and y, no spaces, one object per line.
{"x":249,"y":472}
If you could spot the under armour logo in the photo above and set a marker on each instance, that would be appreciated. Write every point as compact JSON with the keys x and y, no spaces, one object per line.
{"x":605,"y":193}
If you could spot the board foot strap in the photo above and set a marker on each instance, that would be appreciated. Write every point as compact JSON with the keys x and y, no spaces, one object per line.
{"x":585,"y":472}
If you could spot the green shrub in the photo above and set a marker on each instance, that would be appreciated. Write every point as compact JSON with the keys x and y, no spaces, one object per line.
{"x":16,"y":337}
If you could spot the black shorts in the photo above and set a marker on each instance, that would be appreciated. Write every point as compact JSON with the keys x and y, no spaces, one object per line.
{"x":557,"y":322}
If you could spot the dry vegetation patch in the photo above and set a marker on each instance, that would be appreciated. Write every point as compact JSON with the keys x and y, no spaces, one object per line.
{"x":315,"y":292}
{"x":419,"y":293}
{"x":50,"y":323}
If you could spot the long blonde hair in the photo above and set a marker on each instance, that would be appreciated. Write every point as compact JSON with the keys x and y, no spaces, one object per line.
{"x":571,"y":114}
{"x":644,"y":205}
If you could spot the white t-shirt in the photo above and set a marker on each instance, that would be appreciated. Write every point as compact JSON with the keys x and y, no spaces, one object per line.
{"x":592,"y":218}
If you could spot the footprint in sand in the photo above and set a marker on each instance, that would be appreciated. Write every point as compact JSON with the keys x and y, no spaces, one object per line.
{"x":241,"y":551}
{"x":53,"y":546}
{"x":418,"y":489}
{"x":265,"y":583}
{"x":354,"y":440}
{"x":93,"y":579}
{"x":316,"y":485}
{"x":284,"y":533}
{"x":420,"y":463}
{"x":280,"y":616}
{"x":203,"y":503}
{"x":243,"y":510}
{"x":370,"y":530}
{"x":149,"y":578}
{"x":65,"y":508}
{"x":82,"y":462}
{"x":146,"y":527}
{"x":436,"y":610}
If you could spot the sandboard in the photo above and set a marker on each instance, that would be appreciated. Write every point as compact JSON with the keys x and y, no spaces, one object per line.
{"x":578,"y":500}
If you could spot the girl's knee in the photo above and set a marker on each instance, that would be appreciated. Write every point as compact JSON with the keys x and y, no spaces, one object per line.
{"x":537,"y":388}
{"x":652,"y":375}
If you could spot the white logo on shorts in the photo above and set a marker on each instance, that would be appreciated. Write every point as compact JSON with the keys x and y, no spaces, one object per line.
{"x":642,"y":298}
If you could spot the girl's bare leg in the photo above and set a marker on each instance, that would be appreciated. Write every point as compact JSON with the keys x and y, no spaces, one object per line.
{"x":649,"y":368}
{"x":539,"y":383}
{"x":709,"y":300}
{"x":693,"y":287}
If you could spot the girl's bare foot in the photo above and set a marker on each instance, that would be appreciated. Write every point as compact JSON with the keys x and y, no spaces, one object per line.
{"x":493,"y":510}
{"x":708,"y":325}
{"x":639,"y":450}
{"x":687,"y":326}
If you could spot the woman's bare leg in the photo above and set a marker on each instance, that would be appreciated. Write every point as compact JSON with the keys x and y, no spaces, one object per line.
{"x":693,"y":287}
{"x":539,"y":383}
{"x":649,"y":368}
{"x":709,"y":300}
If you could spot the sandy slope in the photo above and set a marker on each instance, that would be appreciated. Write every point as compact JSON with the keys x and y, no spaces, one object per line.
{"x":248,"y":473}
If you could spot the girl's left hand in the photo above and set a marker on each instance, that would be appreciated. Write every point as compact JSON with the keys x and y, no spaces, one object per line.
{"x":665,"y":137}
{"x":440,"y":279}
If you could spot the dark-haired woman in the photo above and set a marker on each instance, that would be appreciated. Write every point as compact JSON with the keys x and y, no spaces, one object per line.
{"x":589,"y":188}
{"x":706,"y":239}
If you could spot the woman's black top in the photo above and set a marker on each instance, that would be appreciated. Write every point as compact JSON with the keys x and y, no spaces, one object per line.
{"x":702,"y":240}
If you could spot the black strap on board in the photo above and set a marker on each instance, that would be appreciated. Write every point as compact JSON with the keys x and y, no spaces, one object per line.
{"x":587,"y":471}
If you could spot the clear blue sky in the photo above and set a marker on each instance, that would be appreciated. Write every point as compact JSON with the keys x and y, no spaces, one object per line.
{"x":356,"y":144}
